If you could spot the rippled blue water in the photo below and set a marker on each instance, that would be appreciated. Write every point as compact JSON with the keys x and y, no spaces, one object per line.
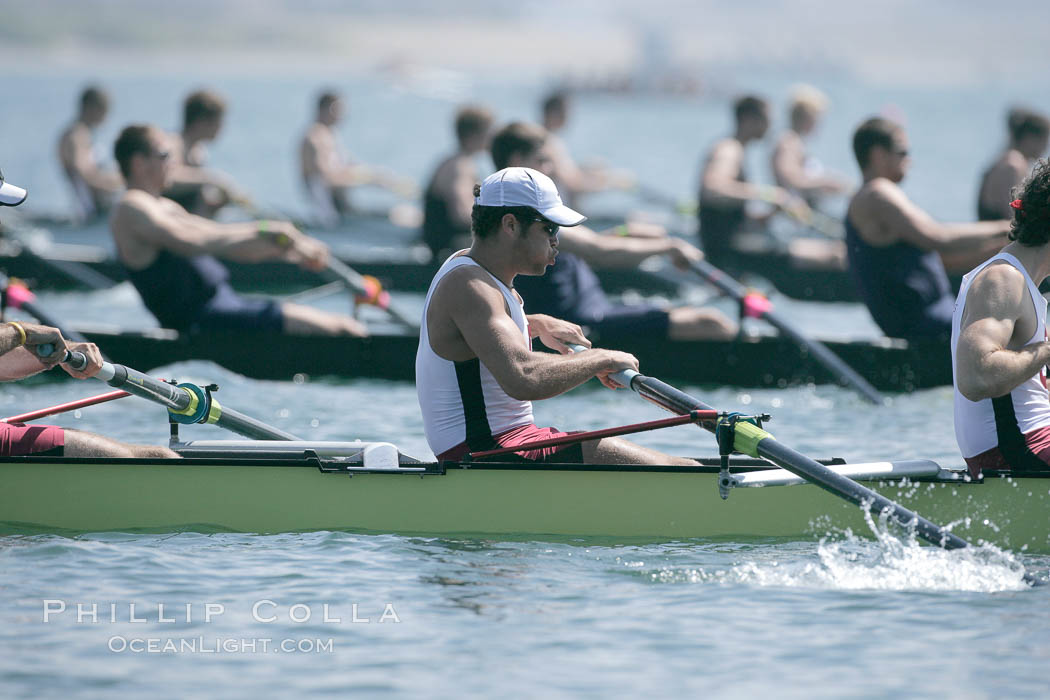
{"x":846,"y":617}
{"x":849,"y":616}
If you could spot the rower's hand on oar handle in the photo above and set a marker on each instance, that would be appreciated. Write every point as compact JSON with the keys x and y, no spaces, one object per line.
{"x":614,"y":361}
{"x":310,"y":253}
{"x":797,"y":209}
{"x":80,"y":360}
{"x":46,"y":343}
{"x":86,"y":360}
{"x":299,"y":249}
{"x":555,"y":333}
{"x":787,"y":202}
{"x":682,"y":254}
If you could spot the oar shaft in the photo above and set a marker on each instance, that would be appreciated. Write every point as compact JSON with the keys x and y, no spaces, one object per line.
{"x":355,"y":281}
{"x":677,"y":401}
{"x":850,"y":490}
{"x":830,"y":360}
{"x":19,"y":297}
{"x":820,"y":352}
{"x":176,"y":399}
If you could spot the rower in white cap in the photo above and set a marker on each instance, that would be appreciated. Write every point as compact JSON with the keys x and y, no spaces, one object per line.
{"x":476,"y":372}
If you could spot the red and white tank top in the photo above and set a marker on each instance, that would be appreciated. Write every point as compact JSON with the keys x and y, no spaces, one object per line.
{"x":989,"y":423}
{"x":462,"y":401}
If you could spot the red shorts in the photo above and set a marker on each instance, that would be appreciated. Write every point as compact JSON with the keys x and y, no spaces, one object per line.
{"x":19,"y":439}
{"x":571,"y":453}
{"x":1033,"y":456}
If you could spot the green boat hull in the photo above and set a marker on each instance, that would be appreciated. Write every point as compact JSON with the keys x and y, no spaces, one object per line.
{"x":501,"y":500}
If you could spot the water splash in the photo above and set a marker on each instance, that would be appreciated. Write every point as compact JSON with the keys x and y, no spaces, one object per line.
{"x":893,"y":561}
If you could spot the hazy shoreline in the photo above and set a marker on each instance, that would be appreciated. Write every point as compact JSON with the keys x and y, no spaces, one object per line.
{"x":898,"y":42}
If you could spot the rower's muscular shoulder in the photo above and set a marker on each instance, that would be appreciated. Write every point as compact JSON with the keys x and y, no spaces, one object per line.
{"x":872,"y":207}
{"x":137,"y":208}
{"x":999,"y":288}
{"x":467,"y":290}
{"x":727,"y":148}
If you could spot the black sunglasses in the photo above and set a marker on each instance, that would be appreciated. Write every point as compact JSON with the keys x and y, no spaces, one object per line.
{"x":549,"y":226}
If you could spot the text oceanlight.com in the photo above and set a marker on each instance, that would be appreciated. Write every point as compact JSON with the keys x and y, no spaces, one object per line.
{"x":218,"y":645}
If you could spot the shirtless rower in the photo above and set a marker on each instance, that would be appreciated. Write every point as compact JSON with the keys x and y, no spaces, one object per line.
{"x":94,"y":188}
{"x":197,"y":188}
{"x":725,"y":193}
{"x":449,"y":197}
{"x":571,"y":290}
{"x":328,"y":174}
{"x":999,"y":344}
{"x":572,"y":179}
{"x":894,"y":246}
{"x":793,"y":168}
{"x":476,"y":374}
{"x":171,"y":254}
{"x":19,"y":358}
{"x":1029,"y":136}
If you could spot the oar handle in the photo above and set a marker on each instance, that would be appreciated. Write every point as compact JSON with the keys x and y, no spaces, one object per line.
{"x":76,"y":360}
{"x":624,"y":376}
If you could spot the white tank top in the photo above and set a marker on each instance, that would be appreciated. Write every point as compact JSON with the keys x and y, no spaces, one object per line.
{"x":462,"y":401}
{"x":975,"y":421}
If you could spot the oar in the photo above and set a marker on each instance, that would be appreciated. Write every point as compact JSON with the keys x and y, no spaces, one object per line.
{"x":18,"y":296}
{"x":752,"y":440}
{"x":813,"y":219}
{"x":819,"y":222}
{"x":186,"y":403}
{"x":749,"y":439}
{"x":367,"y":290}
{"x":76,"y":271}
{"x":257,"y":212}
{"x":757,"y":306}
{"x":679,"y":206}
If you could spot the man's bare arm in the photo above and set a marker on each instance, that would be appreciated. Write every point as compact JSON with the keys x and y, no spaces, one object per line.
{"x":623,"y":251}
{"x":174,"y":229}
{"x":76,"y":152}
{"x":790,"y":173}
{"x":891,"y":216}
{"x":719,"y":183}
{"x":480,"y":316}
{"x":985,"y":366}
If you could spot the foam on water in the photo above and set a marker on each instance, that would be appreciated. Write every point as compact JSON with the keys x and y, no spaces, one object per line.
{"x":891,"y":562}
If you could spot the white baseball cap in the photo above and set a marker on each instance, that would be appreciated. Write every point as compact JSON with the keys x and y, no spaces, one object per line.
{"x":525,"y":187}
{"x":10,"y":195}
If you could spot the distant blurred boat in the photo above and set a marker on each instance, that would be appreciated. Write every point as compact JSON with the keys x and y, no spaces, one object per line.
{"x":762,"y":361}
{"x":373,"y":245}
{"x":405,"y":269}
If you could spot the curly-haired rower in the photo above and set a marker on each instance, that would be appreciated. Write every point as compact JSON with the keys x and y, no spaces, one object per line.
{"x":999,"y":344}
